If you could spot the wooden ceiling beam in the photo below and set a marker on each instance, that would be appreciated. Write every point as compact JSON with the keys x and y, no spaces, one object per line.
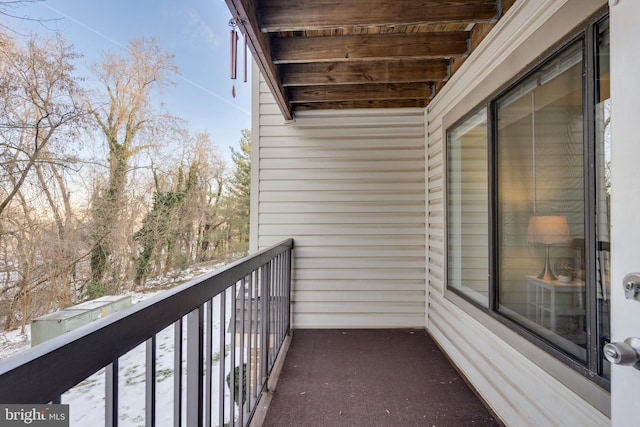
{"x":368,"y":92}
{"x":318,"y":54}
{"x":383,"y":103}
{"x":245,"y":15}
{"x":387,"y":47}
{"x":310,"y":74}
{"x":301,"y":15}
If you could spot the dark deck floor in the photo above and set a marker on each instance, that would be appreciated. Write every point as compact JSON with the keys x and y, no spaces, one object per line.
{"x":371,"y":378}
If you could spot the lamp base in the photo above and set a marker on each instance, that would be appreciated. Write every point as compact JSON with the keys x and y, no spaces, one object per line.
{"x":547,"y":274}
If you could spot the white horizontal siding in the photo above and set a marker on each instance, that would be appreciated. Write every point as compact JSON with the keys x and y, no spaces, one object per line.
{"x":349,"y":187}
{"x":522,"y":384}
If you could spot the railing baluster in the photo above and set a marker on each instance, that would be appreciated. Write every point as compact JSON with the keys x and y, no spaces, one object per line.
{"x":232,"y":354}
{"x":248,"y":386}
{"x":240,"y":378}
{"x":282,"y":295}
{"x":278,"y":300}
{"x":273,"y":306}
{"x":194,"y":367}
{"x":223,"y":335}
{"x":285,"y":302}
{"x":111,"y":395}
{"x":288,"y":291}
{"x":150,"y":382}
{"x":177,"y":373}
{"x":264,"y":347}
{"x":269,"y":297}
{"x":255,"y":361}
{"x":208,"y":383}
{"x":271,"y":309}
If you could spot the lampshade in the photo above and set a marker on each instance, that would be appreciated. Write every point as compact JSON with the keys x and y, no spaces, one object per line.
{"x":548,"y":229}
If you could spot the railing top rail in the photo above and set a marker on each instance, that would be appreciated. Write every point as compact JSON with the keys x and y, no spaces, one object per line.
{"x":37,"y":374}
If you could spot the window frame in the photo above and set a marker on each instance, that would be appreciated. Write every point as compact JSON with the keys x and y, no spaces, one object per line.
{"x":475,"y":111}
{"x":586,"y":34}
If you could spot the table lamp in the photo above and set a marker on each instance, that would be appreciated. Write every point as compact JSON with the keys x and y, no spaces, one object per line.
{"x":548,"y":230}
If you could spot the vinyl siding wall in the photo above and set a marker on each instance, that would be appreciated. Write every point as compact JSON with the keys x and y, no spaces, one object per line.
{"x":522,"y":383}
{"x":349,"y":187}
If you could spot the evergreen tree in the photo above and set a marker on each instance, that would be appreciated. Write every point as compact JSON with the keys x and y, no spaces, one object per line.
{"x":240,"y":197}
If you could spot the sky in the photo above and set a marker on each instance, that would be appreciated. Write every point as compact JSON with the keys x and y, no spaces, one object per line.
{"x":197,"y":32}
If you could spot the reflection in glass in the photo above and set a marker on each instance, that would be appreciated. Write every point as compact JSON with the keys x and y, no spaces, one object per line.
{"x":603,"y":174}
{"x":540,"y":176}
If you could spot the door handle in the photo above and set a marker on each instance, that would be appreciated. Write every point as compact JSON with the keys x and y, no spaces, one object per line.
{"x":631,"y":285}
{"x":624,"y":353}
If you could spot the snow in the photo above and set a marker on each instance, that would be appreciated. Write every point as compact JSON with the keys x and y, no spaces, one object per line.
{"x":12,"y":342}
{"x":86,"y":400}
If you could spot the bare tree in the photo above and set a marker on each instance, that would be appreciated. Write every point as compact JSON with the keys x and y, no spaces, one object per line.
{"x":171,"y":232}
{"x":127,"y":118}
{"x":11,"y":9}
{"x":39,"y":120}
{"x":63,"y":247}
{"x":203,"y":204}
{"x":37,"y":104}
{"x":63,"y":228}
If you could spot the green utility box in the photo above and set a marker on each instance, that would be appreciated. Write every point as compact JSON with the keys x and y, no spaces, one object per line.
{"x":57,"y":323}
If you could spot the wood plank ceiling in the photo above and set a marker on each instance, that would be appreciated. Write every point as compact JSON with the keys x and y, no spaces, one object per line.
{"x":319,"y":54}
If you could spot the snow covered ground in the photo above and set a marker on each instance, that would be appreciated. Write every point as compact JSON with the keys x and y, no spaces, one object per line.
{"x":86,"y":400}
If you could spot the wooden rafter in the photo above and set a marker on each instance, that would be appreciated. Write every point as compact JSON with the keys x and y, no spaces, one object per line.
{"x":297,"y":15}
{"x":385,"y":91}
{"x":379,"y":47}
{"x":318,"y":54}
{"x":339,"y":73}
{"x":370,"y":103}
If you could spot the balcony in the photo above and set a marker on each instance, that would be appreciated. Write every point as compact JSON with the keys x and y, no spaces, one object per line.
{"x":190,"y":339}
{"x":370,"y":378}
